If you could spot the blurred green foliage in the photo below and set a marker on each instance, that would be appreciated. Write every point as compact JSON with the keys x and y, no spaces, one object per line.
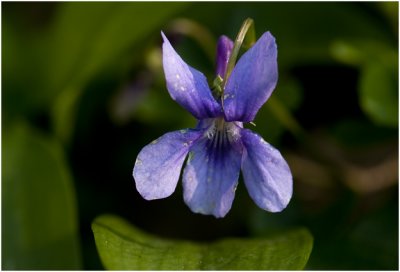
{"x":40,"y":224}
{"x":83,"y":91}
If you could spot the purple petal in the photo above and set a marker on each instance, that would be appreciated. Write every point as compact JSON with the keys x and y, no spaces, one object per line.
{"x":187,"y":86}
{"x":211,"y":175}
{"x":224,"y":49}
{"x":159,"y":163}
{"x":266,"y":174}
{"x":252,"y":80}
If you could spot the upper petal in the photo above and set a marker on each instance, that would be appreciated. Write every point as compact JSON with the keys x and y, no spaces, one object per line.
{"x":211,"y":175}
{"x":224,"y":50}
{"x":188,"y":86}
{"x":266,"y":174}
{"x":252,"y":80}
{"x":159,"y":163}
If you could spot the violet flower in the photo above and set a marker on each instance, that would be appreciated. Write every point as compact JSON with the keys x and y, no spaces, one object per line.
{"x":219,"y":146}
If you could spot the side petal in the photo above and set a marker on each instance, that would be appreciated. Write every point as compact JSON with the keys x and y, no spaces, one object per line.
{"x":266,"y":174}
{"x":211,"y":175}
{"x":187,"y":86}
{"x":158,"y":165}
{"x":252,"y":80}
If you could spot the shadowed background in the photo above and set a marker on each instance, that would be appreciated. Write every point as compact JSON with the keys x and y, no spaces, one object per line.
{"x":83,"y":91}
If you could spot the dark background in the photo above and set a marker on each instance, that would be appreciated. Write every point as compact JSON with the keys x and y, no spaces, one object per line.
{"x":83,"y":91}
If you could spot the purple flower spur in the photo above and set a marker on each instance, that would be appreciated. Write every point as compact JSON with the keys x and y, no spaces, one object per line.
{"x":219,"y":146}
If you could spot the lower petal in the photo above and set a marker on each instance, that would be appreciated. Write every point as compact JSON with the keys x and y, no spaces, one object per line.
{"x":159,"y":163}
{"x":266,"y":174}
{"x":211,"y":175}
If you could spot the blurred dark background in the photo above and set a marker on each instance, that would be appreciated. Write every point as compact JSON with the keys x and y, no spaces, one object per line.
{"x":83,"y":91}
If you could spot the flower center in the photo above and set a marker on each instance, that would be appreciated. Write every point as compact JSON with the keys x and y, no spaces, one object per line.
{"x":220,"y":129}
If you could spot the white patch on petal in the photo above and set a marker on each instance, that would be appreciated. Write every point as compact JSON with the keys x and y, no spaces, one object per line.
{"x":210,"y":132}
{"x":138,"y":162}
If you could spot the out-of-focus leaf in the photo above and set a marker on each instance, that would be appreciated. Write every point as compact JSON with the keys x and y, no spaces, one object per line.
{"x":378,"y":92}
{"x":378,"y":85}
{"x":360,"y":52}
{"x":391,"y":12}
{"x":39,"y":220}
{"x":121,"y":246}
{"x":83,"y":40}
{"x":309,"y":28}
{"x":92,"y":38}
{"x":346,"y":53}
{"x":64,"y":113}
{"x":23,"y":74}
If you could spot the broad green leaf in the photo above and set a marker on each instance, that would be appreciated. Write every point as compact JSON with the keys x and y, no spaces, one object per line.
{"x":121,"y":246}
{"x":39,"y":219}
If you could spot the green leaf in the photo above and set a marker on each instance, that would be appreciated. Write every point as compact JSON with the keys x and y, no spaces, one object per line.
{"x":39,"y":219}
{"x":123,"y":247}
{"x":379,"y":92}
{"x":51,"y":67}
{"x":90,"y":36}
{"x":95,"y":38}
{"x":378,"y":84}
